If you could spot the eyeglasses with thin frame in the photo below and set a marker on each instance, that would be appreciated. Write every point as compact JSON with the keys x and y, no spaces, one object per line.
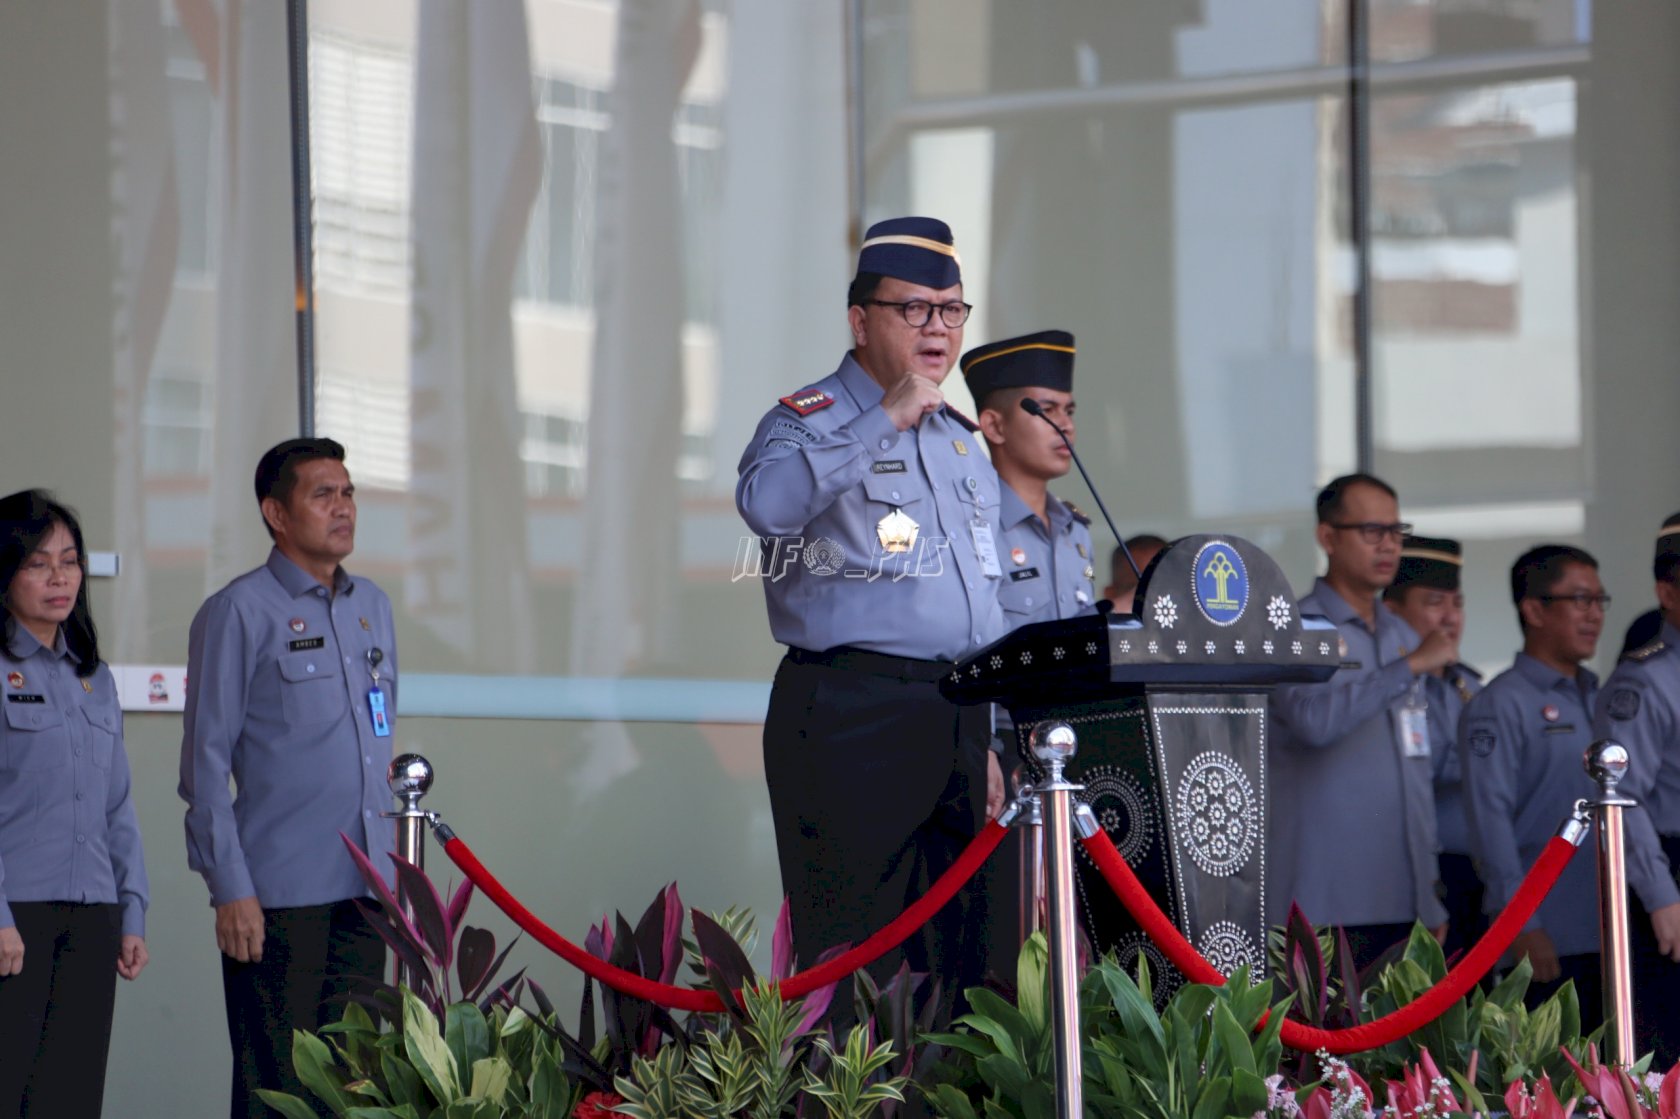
{"x":41,"y":568}
{"x":1580,"y":602}
{"x":1373,"y":532}
{"x":917,"y":312}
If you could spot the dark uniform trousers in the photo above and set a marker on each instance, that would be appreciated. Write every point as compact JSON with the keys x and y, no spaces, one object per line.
{"x":312,"y":956}
{"x":1656,"y":982}
{"x":55,"y":1015}
{"x":877,"y":783}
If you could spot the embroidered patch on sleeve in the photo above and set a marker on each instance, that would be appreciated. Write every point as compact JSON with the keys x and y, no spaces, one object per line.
{"x":1481,"y":740}
{"x":808,"y":401}
{"x":1623,"y":704}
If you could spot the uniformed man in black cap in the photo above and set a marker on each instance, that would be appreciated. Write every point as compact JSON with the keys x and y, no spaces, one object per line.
{"x":878,"y":513}
{"x":1426,"y":593}
{"x":1639,"y":707}
{"x":1046,"y":549}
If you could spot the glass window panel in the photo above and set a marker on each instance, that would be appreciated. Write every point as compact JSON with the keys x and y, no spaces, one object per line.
{"x":1414,"y":30}
{"x":1479,"y":405}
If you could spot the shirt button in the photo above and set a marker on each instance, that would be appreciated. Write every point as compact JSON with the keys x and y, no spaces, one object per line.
{"x":367,"y":759}
{"x":885,"y":443}
{"x":977,"y":639}
{"x":78,"y":796}
{"x":368,"y":814}
{"x":1028,"y":601}
{"x":81,"y":838}
{"x":309,"y":668}
{"x":895,"y":495}
{"x":973,"y":485}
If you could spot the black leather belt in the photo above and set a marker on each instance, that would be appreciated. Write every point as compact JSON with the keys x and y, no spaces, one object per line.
{"x":848,"y":659}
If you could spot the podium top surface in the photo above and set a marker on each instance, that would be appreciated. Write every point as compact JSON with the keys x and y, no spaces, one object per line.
{"x":1212,"y":611}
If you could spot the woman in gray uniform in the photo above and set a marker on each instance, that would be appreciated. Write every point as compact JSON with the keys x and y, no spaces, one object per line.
{"x":72,"y":881}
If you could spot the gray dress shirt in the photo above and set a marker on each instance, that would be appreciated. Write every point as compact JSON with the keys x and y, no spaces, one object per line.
{"x":277,"y":699}
{"x":1447,"y":695}
{"x":1523,"y":738}
{"x":1047,"y":572}
{"x":820,"y":488}
{"x":1639,"y":706}
{"x":67,"y":825}
{"x":1351,"y":819}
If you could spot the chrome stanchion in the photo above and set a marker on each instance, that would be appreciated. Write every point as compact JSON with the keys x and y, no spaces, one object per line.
{"x":1030,"y":840}
{"x":1053,"y":743}
{"x":1607,"y":763}
{"x":410,"y":778}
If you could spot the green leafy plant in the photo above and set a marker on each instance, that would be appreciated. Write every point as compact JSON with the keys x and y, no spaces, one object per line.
{"x":475,"y":1066}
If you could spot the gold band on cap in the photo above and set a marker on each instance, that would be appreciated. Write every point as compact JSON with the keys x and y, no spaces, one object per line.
{"x":1432,"y":554}
{"x":927,"y":243}
{"x":1669,"y":530}
{"x":1018,"y":349}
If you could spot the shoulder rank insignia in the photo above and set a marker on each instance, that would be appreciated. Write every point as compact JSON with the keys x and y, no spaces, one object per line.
{"x":1468,"y":671}
{"x":807,"y":401}
{"x":1646,"y":652}
{"x":962,"y":419}
{"x":1078,"y":514}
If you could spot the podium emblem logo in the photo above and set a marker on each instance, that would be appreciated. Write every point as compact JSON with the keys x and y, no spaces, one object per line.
{"x":1220,"y":582}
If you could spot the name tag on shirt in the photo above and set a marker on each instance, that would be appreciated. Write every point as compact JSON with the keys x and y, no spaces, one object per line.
{"x":303,"y":643}
{"x":986,"y":548}
{"x":376,"y":710}
{"x":15,"y":698}
{"x":1559,"y":728}
{"x":1024,"y":573}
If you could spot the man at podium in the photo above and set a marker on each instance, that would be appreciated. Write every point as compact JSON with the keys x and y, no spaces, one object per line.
{"x":1046,"y":554}
{"x":878,"y":519}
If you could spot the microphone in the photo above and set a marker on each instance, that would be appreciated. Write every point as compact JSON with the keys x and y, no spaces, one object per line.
{"x":1031,"y":408}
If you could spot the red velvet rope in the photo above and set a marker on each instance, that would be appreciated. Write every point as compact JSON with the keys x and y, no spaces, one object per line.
{"x":890,"y":936}
{"x":1368,"y":1035}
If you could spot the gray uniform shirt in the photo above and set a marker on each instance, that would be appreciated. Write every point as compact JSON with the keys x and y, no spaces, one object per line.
{"x":1351,"y":820}
{"x":67,"y":826}
{"x":1523,"y":739}
{"x":818,"y":484}
{"x":1047,"y":571}
{"x":1639,"y":707}
{"x":1447,"y":695}
{"x":277,"y":699}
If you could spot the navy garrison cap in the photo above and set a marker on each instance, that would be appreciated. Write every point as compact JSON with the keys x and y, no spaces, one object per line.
{"x":915,"y":250}
{"x":1668,"y":537}
{"x":1429,"y":561}
{"x":1031,"y":361}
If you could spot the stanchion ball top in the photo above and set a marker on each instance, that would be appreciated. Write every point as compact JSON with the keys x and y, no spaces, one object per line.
{"x":1053,"y":742}
{"x":1607,"y":758}
{"x":409,"y":774}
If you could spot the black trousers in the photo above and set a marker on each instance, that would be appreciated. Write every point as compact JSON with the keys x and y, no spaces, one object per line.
{"x":55,"y":1016}
{"x":1465,"y":920}
{"x":1656,"y":981}
{"x":1370,"y":942}
{"x":1586,"y":969}
{"x":876,"y":783}
{"x":312,"y":956}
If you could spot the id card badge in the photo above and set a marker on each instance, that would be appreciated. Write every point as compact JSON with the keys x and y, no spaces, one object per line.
{"x":1411,"y":726}
{"x":376,"y":709}
{"x":986,"y":548}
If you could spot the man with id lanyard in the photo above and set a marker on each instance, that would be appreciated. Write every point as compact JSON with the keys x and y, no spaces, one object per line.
{"x":1352,"y":818}
{"x":291,"y":693}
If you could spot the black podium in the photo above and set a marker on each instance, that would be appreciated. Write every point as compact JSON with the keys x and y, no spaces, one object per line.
{"x":1171,"y":709}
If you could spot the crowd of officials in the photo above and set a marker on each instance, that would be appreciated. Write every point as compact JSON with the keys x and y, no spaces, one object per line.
{"x":1405,"y":788}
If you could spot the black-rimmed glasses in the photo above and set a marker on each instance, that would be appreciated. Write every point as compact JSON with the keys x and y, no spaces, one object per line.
{"x":1581,"y":602}
{"x":1373,"y":532}
{"x":917,"y":312}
